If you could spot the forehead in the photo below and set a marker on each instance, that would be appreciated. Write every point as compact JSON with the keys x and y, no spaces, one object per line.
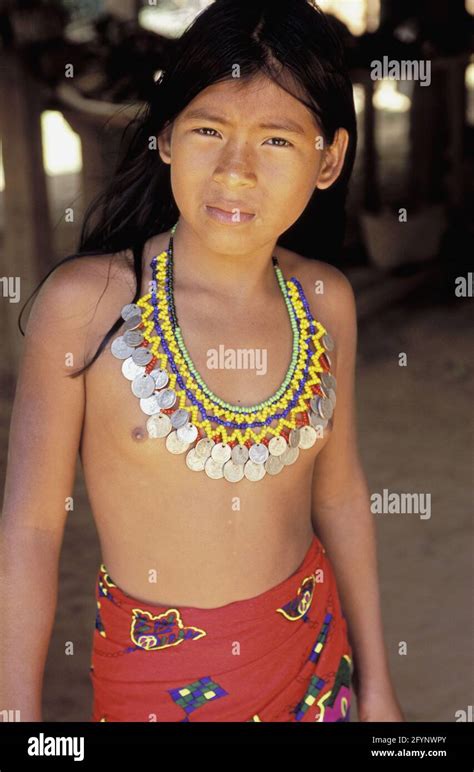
{"x":250,"y":102}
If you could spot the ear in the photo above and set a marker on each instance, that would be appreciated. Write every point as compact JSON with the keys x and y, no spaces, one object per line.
{"x":333,"y":160}
{"x":164,"y":144}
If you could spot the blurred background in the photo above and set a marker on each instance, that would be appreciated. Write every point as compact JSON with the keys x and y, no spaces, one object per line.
{"x":72,"y":73}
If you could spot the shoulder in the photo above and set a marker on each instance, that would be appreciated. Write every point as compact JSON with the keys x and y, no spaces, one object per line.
{"x":76,"y":300}
{"x":75,"y":278}
{"x":329,"y":292}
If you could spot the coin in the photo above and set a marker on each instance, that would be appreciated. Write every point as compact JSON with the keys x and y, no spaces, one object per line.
{"x":328,"y":380}
{"x":314,"y":404}
{"x":143,"y":385}
{"x":290,"y":455}
{"x":325,"y":408}
{"x":166,"y":398}
{"x":328,"y":341}
{"x":131,"y":309}
{"x":221,"y":452}
{"x":319,"y":429}
{"x":204,"y":447}
{"x":332,"y":396}
{"x":213,"y":468}
{"x":277,"y":445}
{"x":258,"y":453}
{"x":273,"y":464}
{"x":294,"y":438}
{"x":317,"y":405}
{"x":195,"y":462}
{"x":324,"y":390}
{"x":161,"y":377}
{"x":308,"y":437}
{"x":133,"y":338}
{"x":316,"y":420}
{"x":233,"y":472}
{"x":120,"y":349}
{"x":133,"y":321}
{"x":158,"y":425}
{"x":179,"y":417}
{"x":150,"y":405}
{"x":187,"y":433}
{"x":174,"y":445}
{"x":240,"y":454}
{"x":130,"y":369}
{"x":254,"y":471}
{"x":141,"y":356}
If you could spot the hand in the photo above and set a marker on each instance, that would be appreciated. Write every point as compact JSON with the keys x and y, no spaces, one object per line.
{"x":379,"y":707}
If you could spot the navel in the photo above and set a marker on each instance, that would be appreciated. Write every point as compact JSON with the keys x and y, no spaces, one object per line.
{"x":138,"y":433}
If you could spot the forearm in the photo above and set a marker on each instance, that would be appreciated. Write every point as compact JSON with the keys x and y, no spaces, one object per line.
{"x":348,"y":534}
{"x":28,"y":598}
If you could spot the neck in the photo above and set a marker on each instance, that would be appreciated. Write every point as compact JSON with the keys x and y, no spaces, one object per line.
{"x":243,"y":278}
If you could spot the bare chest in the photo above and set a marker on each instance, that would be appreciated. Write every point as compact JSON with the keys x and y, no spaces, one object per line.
{"x":150,"y":504}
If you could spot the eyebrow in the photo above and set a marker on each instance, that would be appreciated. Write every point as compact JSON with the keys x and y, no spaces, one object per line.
{"x":286,"y":125}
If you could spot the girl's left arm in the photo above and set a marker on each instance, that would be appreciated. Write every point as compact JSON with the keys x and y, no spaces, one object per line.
{"x":343,"y":520}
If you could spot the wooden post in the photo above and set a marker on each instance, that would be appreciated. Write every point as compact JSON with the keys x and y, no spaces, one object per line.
{"x":28,"y":249}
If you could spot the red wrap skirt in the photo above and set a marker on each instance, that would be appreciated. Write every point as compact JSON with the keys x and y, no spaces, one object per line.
{"x":283,"y":655}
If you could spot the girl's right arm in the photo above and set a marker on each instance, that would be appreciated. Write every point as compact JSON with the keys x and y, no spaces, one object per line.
{"x":44,"y":439}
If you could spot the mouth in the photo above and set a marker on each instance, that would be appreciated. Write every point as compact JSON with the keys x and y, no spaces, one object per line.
{"x":235,"y":217}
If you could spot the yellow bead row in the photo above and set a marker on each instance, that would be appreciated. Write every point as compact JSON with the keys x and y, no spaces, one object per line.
{"x":193,"y":386}
{"x":221,"y":431}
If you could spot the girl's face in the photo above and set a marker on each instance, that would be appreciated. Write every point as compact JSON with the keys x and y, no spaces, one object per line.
{"x":247,"y":147}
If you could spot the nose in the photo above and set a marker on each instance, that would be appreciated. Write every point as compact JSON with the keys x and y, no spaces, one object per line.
{"x":234,"y":168}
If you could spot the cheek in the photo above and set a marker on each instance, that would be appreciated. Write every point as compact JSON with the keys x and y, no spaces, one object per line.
{"x":295,"y":170}
{"x":190,"y":171}
{"x":293,"y":183}
{"x":195,"y":156}
{"x":184,"y":175}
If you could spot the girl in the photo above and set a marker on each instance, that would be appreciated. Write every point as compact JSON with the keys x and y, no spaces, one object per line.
{"x":194,"y":362}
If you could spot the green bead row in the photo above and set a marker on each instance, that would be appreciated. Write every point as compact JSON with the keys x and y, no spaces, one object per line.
{"x":291,"y":369}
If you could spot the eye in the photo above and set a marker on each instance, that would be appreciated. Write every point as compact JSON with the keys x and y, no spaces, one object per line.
{"x":216,"y":133}
{"x":280,"y":139}
{"x":204,"y":128}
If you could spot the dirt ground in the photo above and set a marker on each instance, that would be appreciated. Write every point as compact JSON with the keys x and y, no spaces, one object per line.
{"x":415,"y":436}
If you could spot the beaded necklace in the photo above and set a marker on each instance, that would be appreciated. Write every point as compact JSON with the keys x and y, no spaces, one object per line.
{"x":224,"y":440}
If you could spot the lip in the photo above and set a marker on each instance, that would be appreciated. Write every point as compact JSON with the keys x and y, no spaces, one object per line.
{"x":226,"y":215}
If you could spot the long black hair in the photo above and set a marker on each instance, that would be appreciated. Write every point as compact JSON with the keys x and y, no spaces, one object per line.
{"x":290,"y":41}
